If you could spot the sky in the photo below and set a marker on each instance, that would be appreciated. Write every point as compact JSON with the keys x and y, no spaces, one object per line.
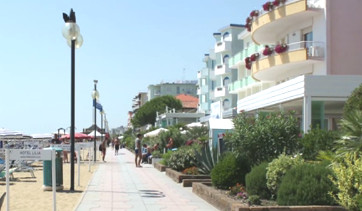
{"x":128,"y":45}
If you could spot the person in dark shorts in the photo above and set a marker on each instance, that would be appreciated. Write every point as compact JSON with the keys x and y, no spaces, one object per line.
{"x":138,"y":150}
{"x":116,"y":146}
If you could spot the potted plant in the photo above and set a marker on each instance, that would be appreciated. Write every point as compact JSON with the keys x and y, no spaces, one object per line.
{"x":254,"y":13}
{"x":268,"y":6}
{"x":248,"y":63}
{"x":280,"y":48}
{"x":267,"y":51}
{"x":254,"y":56}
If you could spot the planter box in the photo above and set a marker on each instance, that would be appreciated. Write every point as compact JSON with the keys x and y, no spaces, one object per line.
{"x":178,"y":176}
{"x":159,"y":166}
{"x":155,"y":160}
{"x":214,"y":197}
{"x":223,"y":202}
{"x":189,"y":182}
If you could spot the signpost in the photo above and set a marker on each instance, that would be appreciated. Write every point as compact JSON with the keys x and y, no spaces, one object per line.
{"x":78,"y":147}
{"x":33,"y":155}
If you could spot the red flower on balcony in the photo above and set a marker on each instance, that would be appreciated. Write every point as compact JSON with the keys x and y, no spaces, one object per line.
{"x":248,"y":28}
{"x":281,"y":48}
{"x":267,"y":51}
{"x":268,"y":6}
{"x":254,"y":13}
{"x":278,"y":2}
{"x":249,"y":19}
{"x":248,"y":63}
{"x":248,"y":66}
{"x":254,"y":57}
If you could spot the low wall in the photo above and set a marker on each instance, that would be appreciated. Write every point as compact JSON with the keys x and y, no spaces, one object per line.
{"x":223,"y":202}
{"x":178,"y":176}
{"x":159,"y":167}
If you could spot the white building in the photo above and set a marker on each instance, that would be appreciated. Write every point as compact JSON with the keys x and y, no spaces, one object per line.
{"x":313,"y":67}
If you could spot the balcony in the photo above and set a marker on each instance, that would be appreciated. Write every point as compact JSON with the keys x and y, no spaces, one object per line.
{"x":270,"y":25}
{"x":241,"y":85}
{"x":203,"y":73}
{"x":222,"y":69}
{"x":297,"y":60}
{"x":238,"y":59}
{"x":221,"y":91}
{"x":222,"y":46}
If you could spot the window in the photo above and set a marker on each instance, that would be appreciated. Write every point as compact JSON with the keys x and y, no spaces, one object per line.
{"x":226,"y":59}
{"x":178,"y":90}
{"x":226,"y":81}
{"x":226,"y":36}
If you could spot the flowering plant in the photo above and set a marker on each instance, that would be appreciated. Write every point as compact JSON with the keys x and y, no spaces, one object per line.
{"x":254,"y":56}
{"x":254,"y":13}
{"x":267,"y":51}
{"x":238,"y":191}
{"x":281,"y":48}
{"x":268,"y":6}
{"x":249,"y":19}
{"x":278,"y":2}
{"x":191,"y":171}
{"x":247,"y":63}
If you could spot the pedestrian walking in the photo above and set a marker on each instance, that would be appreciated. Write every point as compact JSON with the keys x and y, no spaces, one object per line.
{"x":116,"y":146}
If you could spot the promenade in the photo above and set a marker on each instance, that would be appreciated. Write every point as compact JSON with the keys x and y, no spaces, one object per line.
{"x":119,"y":185}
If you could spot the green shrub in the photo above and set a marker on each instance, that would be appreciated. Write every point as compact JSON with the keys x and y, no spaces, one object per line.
{"x":264,"y":137}
{"x":156,"y":154}
{"x":317,"y":140}
{"x":277,"y":169}
{"x":229,"y":171}
{"x":183,"y":158}
{"x":166,"y":158}
{"x":255,"y":181}
{"x":348,"y":180}
{"x":254,"y":200}
{"x":354,"y":101}
{"x":306,"y":184}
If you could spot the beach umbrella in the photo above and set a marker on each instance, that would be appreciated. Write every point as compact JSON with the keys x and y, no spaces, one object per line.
{"x":6,"y":134}
{"x":76,"y":136}
{"x":155,"y":132}
{"x":98,"y":134}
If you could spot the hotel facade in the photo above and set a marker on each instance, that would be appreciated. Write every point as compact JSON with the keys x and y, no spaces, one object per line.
{"x":292,"y":55}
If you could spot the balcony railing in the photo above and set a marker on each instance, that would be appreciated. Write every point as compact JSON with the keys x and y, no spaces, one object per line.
{"x":315,"y":49}
{"x":222,"y":69}
{"x":239,"y":57}
{"x":221,"y":91}
{"x":310,"y":4}
{"x":222,"y":46}
{"x":241,"y":84}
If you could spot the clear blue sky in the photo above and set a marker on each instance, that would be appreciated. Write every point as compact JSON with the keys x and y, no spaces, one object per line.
{"x":128,"y":45}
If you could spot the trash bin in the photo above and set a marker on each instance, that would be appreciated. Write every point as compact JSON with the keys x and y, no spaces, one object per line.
{"x":47,"y":171}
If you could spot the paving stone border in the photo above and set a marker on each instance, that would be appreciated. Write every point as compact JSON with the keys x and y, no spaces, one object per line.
{"x":223,"y":202}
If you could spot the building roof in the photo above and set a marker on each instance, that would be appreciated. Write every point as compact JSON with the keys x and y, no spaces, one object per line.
{"x":188,"y":101}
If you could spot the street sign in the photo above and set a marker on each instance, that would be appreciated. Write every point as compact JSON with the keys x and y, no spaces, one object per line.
{"x":26,"y":154}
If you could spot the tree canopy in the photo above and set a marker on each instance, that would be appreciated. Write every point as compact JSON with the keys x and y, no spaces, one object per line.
{"x":147,"y":113}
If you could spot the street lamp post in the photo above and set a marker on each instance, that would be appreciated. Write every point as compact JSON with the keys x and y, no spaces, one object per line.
{"x":71,"y":32}
{"x":95,"y":96}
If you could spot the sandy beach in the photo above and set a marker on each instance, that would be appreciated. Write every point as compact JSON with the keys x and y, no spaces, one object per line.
{"x":26,"y":193}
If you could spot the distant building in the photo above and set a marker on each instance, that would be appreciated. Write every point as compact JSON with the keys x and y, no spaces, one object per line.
{"x":186,"y":115}
{"x":176,"y":88}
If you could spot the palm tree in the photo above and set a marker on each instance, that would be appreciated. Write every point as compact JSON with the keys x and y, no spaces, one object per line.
{"x":351,"y":141}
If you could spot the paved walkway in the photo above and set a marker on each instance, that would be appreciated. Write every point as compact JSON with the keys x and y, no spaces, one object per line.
{"x":119,"y":185}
